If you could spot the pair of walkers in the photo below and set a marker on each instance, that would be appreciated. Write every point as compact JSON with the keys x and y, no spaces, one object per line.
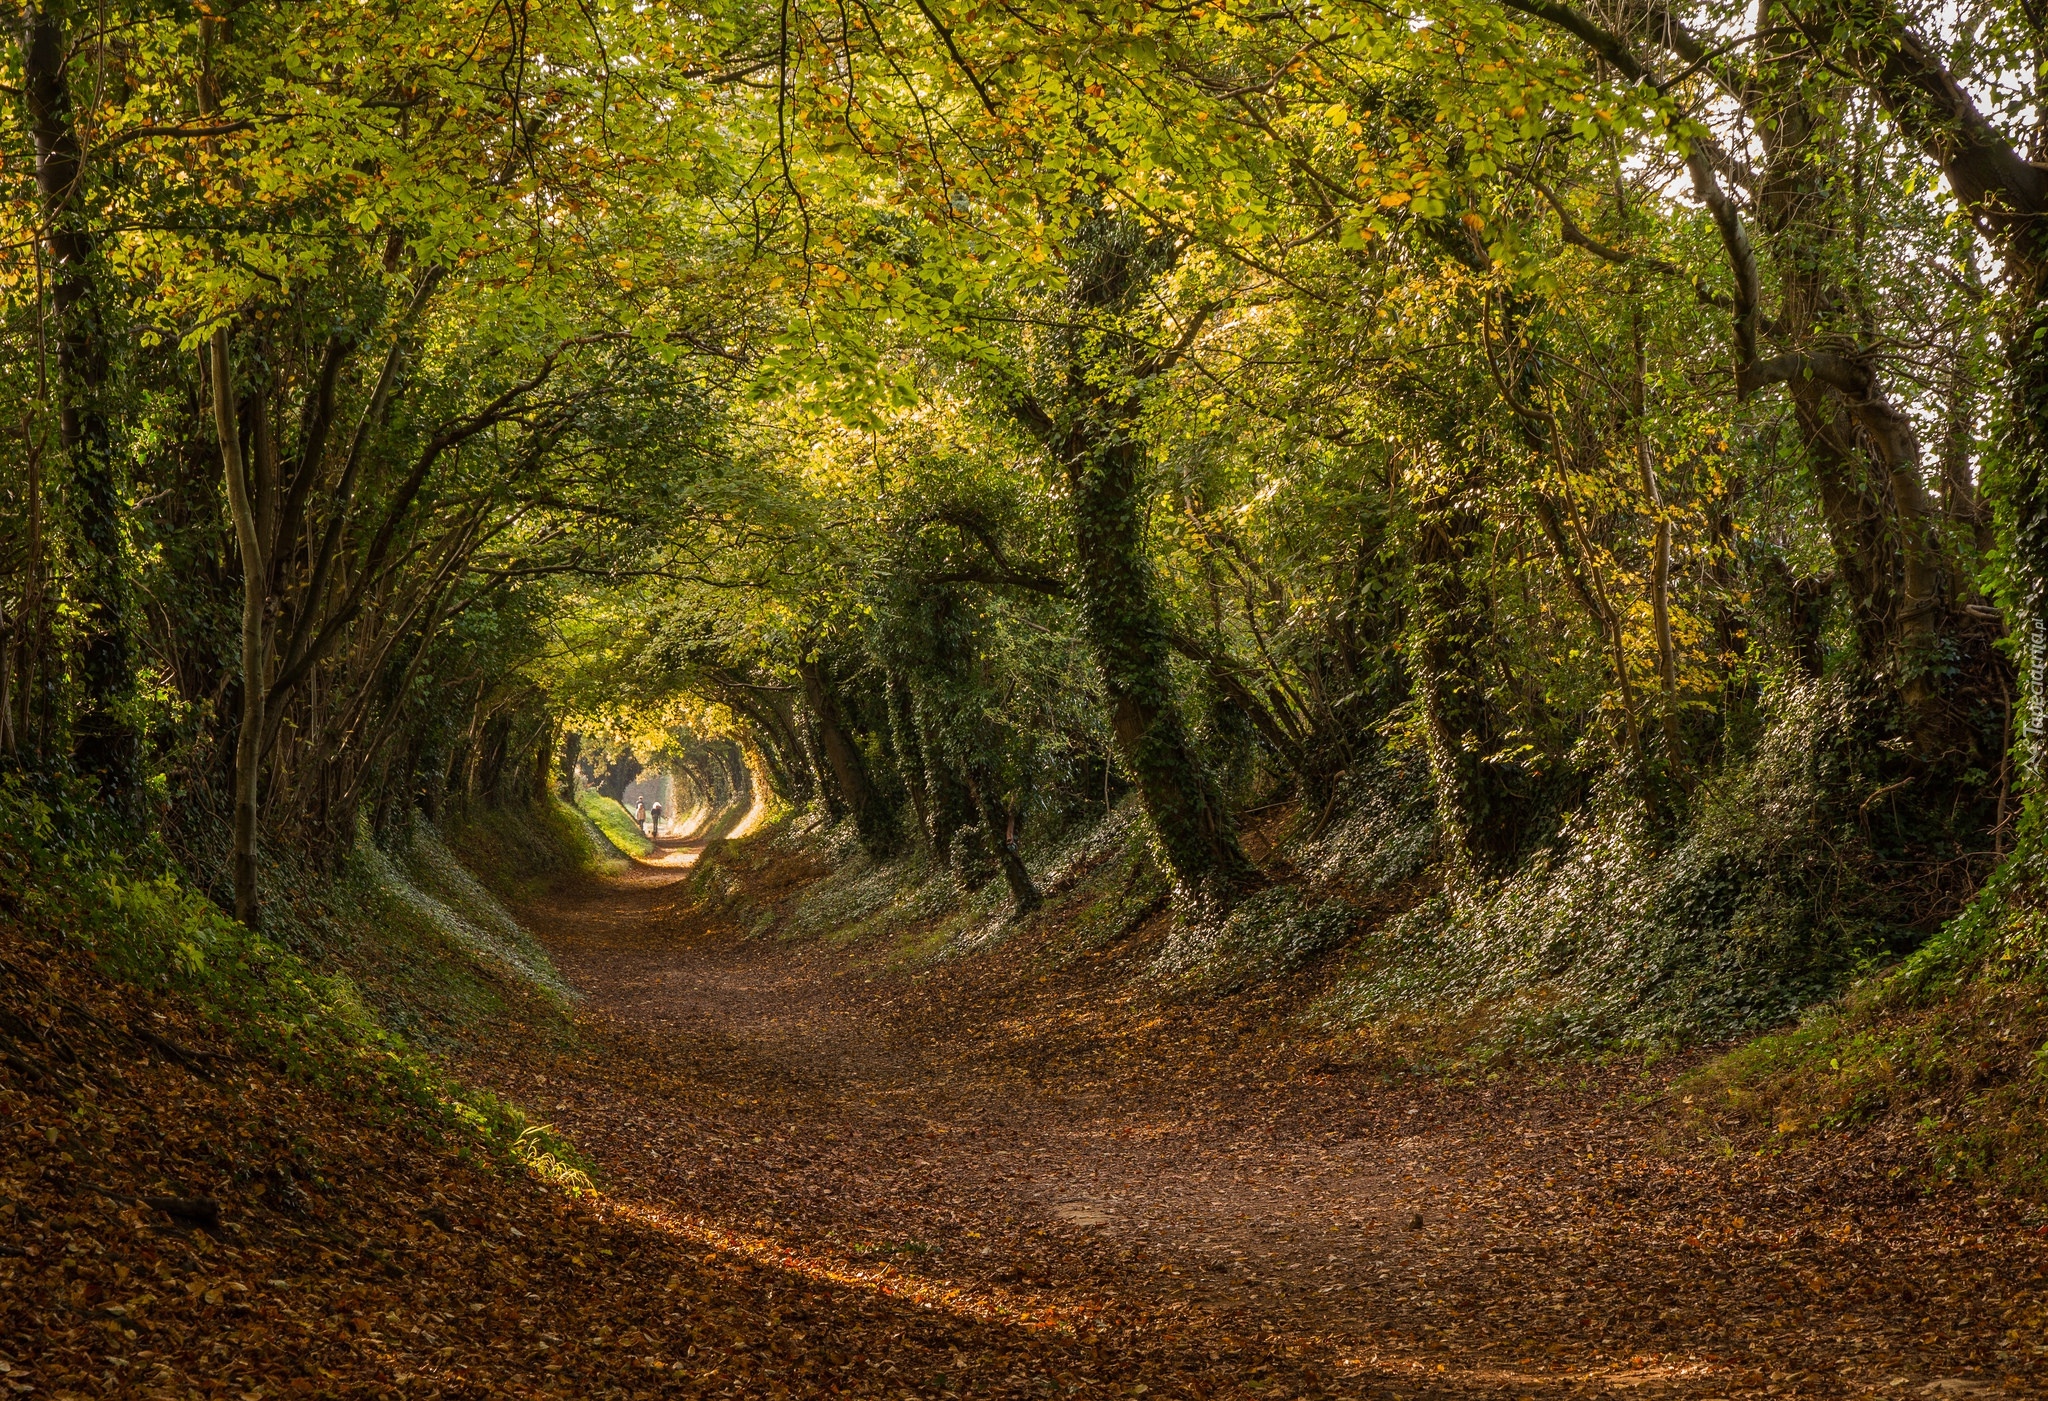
{"x":640,"y":816}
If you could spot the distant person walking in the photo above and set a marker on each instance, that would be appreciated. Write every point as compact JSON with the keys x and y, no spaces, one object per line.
{"x":640,"y":814}
{"x":657,"y":820}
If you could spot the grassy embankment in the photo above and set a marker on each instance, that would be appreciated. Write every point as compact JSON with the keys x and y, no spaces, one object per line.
{"x":614,"y":823}
{"x":354,"y":983}
{"x":1950,"y":1047}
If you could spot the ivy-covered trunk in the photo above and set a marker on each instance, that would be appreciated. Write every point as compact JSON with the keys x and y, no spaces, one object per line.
{"x":1475,"y":803}
{"x":910,"y":756}
{"x":784,"y":748}
{"x":739,"y":773}
{"x":2025,"y":453}
{"x":255,"y":635}
{"x":948,"y":805}
{"x":1003,"y":824}
{"x":829,"y":791}
{"x":1107,"y":372}
{"x":104,"y":745}
{"x":1127,"y":633}
{"x":872,"y":817}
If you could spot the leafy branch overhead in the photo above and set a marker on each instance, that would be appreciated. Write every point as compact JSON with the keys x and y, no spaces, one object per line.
{"x":1528,"y":426}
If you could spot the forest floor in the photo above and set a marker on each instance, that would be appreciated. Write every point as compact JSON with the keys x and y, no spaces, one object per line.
{"x":1220,"y":1205}
{"x":821,"y":1171}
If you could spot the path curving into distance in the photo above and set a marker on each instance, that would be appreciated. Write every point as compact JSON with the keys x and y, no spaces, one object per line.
{"x":1006,"y":1137}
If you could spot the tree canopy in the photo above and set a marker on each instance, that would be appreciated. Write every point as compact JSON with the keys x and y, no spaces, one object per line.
{"x":1570,"y":419}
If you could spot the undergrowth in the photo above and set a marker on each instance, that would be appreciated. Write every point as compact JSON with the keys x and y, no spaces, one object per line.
{"x":918,"y":909}
{"x":1613,"y":935}
{"x":1272,"y":933}
{"x":69,"y":883}
{"x":1616,"y":937}
{"x":520,"y":853}
{"x":1951,"y":1043}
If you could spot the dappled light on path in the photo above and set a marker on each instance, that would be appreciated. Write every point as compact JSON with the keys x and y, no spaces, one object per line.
{"x":679,"y":847}
{"x":1006,"y":1141}
{"x":1070,"y":1312}
{"x":989,"y":1304}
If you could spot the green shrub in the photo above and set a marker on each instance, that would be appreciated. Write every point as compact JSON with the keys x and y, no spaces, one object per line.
{"x":542,"y":1151}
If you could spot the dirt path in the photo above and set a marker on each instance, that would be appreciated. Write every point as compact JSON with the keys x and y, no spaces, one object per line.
{"x":1009,"y":1139}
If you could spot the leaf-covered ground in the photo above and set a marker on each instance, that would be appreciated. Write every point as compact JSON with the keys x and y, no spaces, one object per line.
{"x":820,"y":1175}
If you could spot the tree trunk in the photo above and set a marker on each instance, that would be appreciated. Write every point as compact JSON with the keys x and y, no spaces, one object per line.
{"x":803,"y":775}
{"x":871,"y":815}
{"x":1127,"y":632}
{"x":781,"y":763}
{"x":910,"y":756}
{"x":1002,"y":835}
{"x":2007,"y":195}
{"x":543,"y":749}
{"x":947,"y":800}
{"x":619,"y":777}
{"x":1094,"y":438}
{"x":742,"y":776}
{"x":255,"y":659}
{"x":776,"y":770}
{"x":776,"y":741}
{"x":2026,"y":455}
{"x":1660,"y":566}
{"x":572,"y":752}
{"x":1960,"y":505}
{"x":1474,"y":802}
{"x":829,"y":791}
{"x":487,"y":779}
{"x":105,"y":745}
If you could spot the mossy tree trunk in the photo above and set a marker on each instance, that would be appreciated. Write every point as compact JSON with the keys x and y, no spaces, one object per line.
{"x":255,"y":633}
{"x":770,"y":710}
{"x":872,"y":816}
{"x":948,"y":804}
{"x":104,"y":743}
{"x":1094,"y":435}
